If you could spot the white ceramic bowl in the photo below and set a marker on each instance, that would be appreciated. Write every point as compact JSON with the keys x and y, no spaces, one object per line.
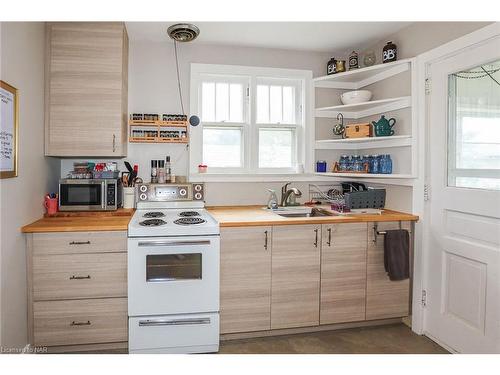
{"x":355,"y":97}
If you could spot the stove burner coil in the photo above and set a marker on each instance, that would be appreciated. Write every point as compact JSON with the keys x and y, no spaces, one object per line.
{"x":189,"y":213}
{"x":153,"y":214}
{"x":152,"y":223}
{"x":189,"y":221}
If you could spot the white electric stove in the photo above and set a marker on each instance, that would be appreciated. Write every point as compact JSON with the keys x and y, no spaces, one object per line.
{"x":173,"y":272}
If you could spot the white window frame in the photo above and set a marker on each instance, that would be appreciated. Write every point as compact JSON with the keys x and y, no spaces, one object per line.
{"x":304,"y":127}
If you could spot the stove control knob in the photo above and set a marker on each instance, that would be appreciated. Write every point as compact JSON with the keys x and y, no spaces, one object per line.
{"x":198,"y":187}
{"x":143,"y":188}
{"x":197,"y":196}
{"x":182,"y":192}
{"x":143,"y":197}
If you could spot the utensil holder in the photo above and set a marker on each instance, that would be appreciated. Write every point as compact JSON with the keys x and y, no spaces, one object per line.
{"x":128,"y":197}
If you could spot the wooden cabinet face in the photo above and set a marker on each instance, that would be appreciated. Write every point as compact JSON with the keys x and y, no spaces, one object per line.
{"x":295,"y":276}
{"x":343,"y":273}
{"x":245,"y":279}
{"x":384,"y":298}
{"x":86,"y":84}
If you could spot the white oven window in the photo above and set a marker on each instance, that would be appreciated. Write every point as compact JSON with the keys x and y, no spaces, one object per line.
{"x":171,"y":267}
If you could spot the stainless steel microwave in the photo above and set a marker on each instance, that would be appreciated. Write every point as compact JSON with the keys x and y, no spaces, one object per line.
{"x":90,"y":195}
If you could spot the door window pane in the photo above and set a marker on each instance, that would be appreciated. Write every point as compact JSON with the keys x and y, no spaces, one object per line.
{"x":474,"y":128}
{"x":222,"y":147}
{"x":171,"y":267}
{"x":276,"y":147}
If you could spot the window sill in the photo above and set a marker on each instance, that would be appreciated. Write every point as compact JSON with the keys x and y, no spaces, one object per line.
{"x":262,"y":177}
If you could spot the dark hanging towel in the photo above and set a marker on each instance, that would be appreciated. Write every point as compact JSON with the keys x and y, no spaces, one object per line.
{"x":397,"y":254}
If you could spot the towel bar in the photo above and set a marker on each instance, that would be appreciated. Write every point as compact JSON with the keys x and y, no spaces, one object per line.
{"x":381,"y":232}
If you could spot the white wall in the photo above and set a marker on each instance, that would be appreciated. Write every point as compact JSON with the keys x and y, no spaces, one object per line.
{"x":153,"y":89}
{"x":22,"y":66}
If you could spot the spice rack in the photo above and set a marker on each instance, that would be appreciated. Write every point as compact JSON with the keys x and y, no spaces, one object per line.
{"x":158,"y":131}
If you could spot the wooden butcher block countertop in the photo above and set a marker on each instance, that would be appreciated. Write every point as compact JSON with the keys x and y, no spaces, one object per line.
{"x":82,"y":222}
{"x":241,"y":216}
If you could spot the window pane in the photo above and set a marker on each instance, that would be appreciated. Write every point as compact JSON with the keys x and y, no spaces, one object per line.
{"x":276,"y":148}
{"x":262,"y":104}
{"x":222,"y":147}
{"x":288,"y":105}
{"x":275,"y":104}
{"x":208,"y":102}
{"x":474,"y":128}
{"x":236,"y":102}
{"x":221,"y":101}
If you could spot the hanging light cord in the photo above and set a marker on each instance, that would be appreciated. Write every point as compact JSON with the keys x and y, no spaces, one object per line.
{"x":178,"y":77}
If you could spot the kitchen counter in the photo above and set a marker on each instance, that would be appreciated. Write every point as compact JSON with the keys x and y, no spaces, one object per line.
{"x":82,"y":222}
{"x":242,"y":216}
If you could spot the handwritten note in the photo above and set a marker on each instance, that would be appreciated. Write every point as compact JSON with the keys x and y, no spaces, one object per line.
{"x":7,"y":130}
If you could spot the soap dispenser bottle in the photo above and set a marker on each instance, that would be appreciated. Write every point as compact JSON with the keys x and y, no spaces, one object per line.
{"x":272,"y":202}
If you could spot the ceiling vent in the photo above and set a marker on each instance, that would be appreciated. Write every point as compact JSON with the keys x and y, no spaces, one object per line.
{"x":183,"y":32}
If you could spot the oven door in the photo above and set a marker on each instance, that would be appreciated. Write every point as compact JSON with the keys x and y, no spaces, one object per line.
{"x":85,"y":195}
{"x":173,"y":275}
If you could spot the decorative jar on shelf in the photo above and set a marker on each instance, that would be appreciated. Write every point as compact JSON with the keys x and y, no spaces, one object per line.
{"x":369,"y":58}
{"x":385,"y":164}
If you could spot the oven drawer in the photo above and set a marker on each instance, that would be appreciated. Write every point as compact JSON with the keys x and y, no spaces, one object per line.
{"x":79,"y":242}
{"x":182,"y":333}
{"x":79,"y":276}
{"x":76,"y":322}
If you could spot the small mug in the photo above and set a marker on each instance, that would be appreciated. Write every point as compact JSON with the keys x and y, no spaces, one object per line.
{"x":51,"y":206}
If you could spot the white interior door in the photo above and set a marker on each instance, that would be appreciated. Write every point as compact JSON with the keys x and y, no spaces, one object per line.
{"x":463,"y":249}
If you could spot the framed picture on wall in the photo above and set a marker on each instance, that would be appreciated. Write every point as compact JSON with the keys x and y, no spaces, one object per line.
{"x":9,"y":130}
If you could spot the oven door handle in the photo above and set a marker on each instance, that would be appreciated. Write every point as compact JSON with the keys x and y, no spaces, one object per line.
{"x":173,"y":243}
{"x":173,"y":322}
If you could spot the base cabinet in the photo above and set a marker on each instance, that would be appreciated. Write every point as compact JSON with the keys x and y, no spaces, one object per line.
{"x":77,"y":290}
{"x":292,"y":276}
{"x":295,"y":276}
{"x":343,"y":273}
{"x":245,"y":279}
{"x":384,"y":298}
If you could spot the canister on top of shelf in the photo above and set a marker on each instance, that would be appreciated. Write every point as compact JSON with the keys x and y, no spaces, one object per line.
{"x":353,"y":60}
{"x":383,"y":127}
{"x":321,"y":166}
{"x":330,"y":66}
{"x":369,"y":58}
{"x":339,"y":66}
{"x":390,"y":52}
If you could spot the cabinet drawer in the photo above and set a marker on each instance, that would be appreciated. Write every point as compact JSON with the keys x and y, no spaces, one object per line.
{"x":79,"y":276}
{"x":79,"y":242}
{"x":80,"y":322}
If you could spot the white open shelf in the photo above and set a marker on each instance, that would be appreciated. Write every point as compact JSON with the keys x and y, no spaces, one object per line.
{"x":358,"y":78}
{"x":365,"y":109}
{"x":364,"y":143}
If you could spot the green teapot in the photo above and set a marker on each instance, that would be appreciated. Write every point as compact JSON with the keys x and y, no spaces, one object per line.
{"x":383,"y":127}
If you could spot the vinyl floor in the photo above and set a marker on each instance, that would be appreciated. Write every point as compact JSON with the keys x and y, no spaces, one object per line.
{"x":388,"y":339}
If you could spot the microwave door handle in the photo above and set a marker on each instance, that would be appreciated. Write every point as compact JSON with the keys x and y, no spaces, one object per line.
{"x":173,"y":243}
{"x":104,"y":199}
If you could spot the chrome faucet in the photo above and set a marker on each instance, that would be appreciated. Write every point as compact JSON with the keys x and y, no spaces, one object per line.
{"x":287,"y":193}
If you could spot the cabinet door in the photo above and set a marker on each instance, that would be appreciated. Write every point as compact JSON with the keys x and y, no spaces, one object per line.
{"x":85,"y":89}
{"x":296,"y":276}
{"x":384,"y":298}
{"x":245,"y":279}
{"x":343,"y":273}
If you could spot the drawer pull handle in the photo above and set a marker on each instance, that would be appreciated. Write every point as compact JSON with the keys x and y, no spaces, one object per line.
{"x":79,"y":277}
{"x":316,"y":238}
{"x":329,"y":242}
{"x":173,"y":322}
{"x":87,"y":323}
{"x":79,"y":243}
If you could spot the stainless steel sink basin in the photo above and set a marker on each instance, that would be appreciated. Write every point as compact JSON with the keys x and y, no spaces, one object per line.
{"x":312,"y":212}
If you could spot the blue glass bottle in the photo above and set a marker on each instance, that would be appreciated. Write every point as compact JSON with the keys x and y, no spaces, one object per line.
{"x":344,"y":163}
{"x":386,"y":164}
{"x":375,"y":164}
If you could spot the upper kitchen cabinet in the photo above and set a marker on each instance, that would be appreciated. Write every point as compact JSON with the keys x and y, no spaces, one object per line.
{"x":86,"y":89}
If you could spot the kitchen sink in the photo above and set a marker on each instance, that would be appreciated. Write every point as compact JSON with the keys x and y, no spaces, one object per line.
{"x":304,"y":212}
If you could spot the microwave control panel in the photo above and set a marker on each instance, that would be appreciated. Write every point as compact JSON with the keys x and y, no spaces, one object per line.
{"x":170,"y":192}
